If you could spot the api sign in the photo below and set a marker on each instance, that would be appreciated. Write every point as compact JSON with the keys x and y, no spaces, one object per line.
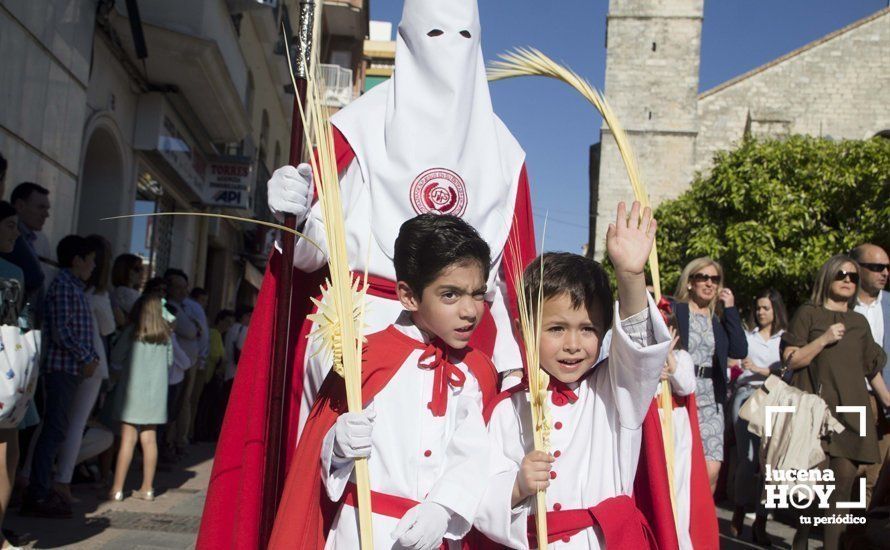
{"x":228,"y":183}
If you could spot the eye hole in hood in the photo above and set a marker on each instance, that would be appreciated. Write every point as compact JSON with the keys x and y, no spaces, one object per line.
{"x":466,"y":34}
{"x":435,"y":32}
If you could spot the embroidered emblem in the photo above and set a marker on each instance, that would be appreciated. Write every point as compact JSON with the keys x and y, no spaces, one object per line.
{"x":440,"y":191}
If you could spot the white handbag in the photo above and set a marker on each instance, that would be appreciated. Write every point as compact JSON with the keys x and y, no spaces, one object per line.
{"x":19,"y":370}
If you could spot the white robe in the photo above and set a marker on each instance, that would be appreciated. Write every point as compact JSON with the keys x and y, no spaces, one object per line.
{"x":682,"y":384}
{"x":405,"y":432}
{"x":598,"y":440}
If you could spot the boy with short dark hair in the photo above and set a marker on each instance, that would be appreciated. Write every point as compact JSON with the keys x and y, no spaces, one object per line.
{"x":422,"y":428}
{"x":596,"y":409}
{"x":70,"y":358}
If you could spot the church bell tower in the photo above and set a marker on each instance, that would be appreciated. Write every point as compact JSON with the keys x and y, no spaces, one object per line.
{"x":652,"y":62}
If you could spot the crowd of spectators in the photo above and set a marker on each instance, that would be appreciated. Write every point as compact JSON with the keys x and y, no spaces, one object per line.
{"x":834,"y":346}
{"x":122,"y":359}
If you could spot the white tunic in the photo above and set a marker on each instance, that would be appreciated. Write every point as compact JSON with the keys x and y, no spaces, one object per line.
{"x":682,"y":384}
{"x":596,"y":440}
{"x":414,"y":454}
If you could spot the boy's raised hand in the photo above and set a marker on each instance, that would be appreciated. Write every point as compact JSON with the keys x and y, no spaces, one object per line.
{"x":629,"y":240}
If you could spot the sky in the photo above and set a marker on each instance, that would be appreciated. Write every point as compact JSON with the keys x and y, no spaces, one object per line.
{"x":556,"y":126}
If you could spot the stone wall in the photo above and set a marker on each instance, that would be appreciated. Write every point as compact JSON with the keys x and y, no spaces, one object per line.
{"x":45,"y":49}
{"x":836,"y":87}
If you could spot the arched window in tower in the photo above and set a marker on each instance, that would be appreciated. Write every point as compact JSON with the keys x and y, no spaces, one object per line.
{"x":654,"y":46}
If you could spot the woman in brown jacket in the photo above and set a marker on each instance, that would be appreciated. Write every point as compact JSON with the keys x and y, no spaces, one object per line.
{"x":831,"y":352}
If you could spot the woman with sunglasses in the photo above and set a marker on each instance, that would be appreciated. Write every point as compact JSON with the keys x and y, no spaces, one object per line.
{"x":711,"y":331}
{"x":829,"y":349}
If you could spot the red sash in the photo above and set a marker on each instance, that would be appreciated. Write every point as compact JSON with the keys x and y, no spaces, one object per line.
{"x":619,"y":520}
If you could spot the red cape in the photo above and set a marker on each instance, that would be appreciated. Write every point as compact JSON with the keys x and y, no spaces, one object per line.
{"x":652,"y":492}
{"x":232,"y":509}
{"x":305,"y":513}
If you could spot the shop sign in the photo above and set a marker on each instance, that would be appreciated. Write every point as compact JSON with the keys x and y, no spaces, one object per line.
{"x":228,"y":182}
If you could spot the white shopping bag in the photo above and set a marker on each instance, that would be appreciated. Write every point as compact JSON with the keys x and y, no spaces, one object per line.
{"x":19,"y":369}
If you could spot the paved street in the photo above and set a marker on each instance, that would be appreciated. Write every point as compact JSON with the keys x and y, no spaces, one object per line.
{"x":171,"y":521}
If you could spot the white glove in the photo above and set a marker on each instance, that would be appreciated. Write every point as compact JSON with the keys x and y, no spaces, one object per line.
{"x":290,"y":191}
{"x":423,"y":526}
{"x":352,"y":434}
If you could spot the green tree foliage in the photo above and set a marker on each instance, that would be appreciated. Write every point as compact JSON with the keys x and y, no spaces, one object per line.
{"x":773,"y":211}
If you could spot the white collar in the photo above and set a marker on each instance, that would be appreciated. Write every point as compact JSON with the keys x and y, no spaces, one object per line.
{"x":875,"y":303}
{"x":406,"y":326}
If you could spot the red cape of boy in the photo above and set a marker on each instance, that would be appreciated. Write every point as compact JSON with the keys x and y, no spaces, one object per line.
{"x":652,"y":491}
{"x":233,"y":506}
{"x":305,"y":514}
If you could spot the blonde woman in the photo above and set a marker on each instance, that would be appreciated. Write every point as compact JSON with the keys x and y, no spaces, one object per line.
{"x":830,"y":349}
{"x":711,"y":331}
{"x":145,"y":348}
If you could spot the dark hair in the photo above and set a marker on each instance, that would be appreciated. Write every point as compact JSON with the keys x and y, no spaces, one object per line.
{"x":155,"y":284}
{"x":242,"y":311}
{"x":223,"y":313}
{"x":73,"y":246}
{"x":197,"y":292}
{"x":99,"y":279}
{"x":780,"y":314}
{"x":429,"y":243}
{"x":6,"y":209}
{"x":123,"y":265}
{"x":174,"y":272}
{"x":3,"y":164}
{"x":583,"y":280}
{"x":24,"y":190}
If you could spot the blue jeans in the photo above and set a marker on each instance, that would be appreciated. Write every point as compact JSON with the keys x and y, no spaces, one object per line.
{"x":60,"y":388}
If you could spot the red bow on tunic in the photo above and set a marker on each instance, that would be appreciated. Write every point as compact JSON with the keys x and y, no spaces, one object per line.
{"x":435,"y":358}
{"x":560,"y":393}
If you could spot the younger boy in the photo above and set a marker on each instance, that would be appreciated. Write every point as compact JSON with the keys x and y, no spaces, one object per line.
{"x":596,"y":409}
{"x":70,"y":358}
{"x":422,"y":428}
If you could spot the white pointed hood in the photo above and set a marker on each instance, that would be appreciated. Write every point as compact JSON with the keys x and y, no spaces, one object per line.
{"x":428,"y":139}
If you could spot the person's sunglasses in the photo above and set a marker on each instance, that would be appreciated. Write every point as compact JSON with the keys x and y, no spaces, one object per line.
{"x":701,"y":278}
{"x":877,"y":268}
{"x":841,"y":275}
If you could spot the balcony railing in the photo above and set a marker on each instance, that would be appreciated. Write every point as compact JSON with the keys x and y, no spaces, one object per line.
{"x":338,"y":89}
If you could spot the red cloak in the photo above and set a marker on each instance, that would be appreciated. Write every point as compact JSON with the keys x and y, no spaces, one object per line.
{"x":305,"y":514}
{"x":232,"y":509}
{"x":652,"y":491}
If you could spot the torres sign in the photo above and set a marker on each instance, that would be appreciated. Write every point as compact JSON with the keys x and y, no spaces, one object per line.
{"x":228,"y":183}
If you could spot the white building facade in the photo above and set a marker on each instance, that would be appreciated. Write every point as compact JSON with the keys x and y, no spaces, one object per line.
{"x":185,"y":108}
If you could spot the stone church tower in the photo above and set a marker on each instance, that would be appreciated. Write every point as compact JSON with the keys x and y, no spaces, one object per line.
{"x":652,"y":63}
